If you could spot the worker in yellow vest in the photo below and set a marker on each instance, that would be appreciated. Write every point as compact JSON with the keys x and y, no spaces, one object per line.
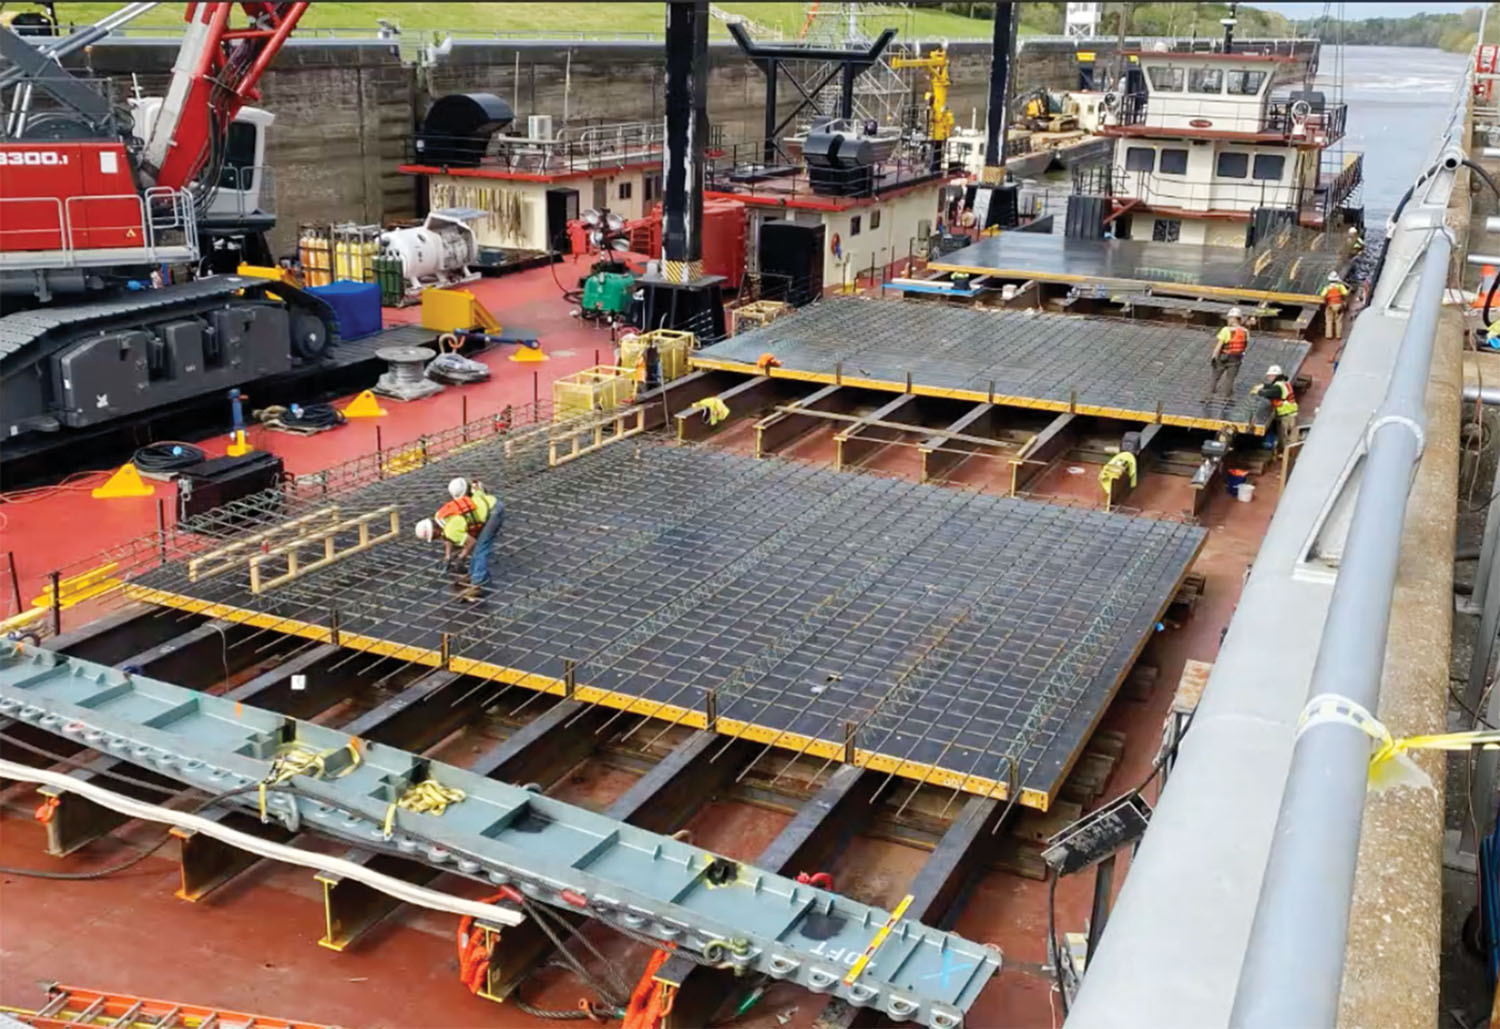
{"x":1277,"y":388}
{"x":1228,"y":354}
{"x":1335,"y":295}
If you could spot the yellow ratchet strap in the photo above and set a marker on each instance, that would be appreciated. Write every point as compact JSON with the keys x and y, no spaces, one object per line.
{"x":428,"y":797}
{"x":296,"y":759}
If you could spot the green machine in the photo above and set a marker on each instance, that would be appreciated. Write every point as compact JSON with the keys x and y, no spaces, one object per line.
{"x":607,"y":292}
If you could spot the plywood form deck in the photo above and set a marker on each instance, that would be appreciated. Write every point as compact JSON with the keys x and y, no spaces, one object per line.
{"x":1291,"y":276}
{"x":1094,"y":366}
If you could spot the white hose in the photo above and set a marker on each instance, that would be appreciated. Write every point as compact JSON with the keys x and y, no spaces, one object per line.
{"x":403,"y":891}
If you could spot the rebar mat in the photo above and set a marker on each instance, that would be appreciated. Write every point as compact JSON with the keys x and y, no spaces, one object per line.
{"x":1106,"y":366}
{"x":940,"y":635}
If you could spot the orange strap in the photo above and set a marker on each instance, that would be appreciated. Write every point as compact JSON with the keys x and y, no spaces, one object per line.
{"x":650,"y":1001}
{"x":45,"y":811}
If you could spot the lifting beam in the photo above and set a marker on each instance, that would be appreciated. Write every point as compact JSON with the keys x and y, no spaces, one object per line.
{"x":732,"y":915}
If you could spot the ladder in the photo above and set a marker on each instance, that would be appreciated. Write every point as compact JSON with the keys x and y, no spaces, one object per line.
{"x":76,"y":1006}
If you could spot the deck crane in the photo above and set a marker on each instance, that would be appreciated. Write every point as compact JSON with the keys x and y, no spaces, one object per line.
{"x":95,"y":196}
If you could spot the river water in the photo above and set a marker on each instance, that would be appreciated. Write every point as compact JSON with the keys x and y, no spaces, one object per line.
{"x":1400,"y":99}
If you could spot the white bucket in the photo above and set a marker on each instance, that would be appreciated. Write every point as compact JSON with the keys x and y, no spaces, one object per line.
{"x":1246,"y":492}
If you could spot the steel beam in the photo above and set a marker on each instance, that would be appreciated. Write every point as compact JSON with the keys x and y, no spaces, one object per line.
{"x":73,"y":822}
{"x":942,"y":454}
{"x":790,"y":424}
{"x":557,"y":854}
{"x":805,"y":844}
{"x":662,"y":403}
{"x":205,"y":863}
{"x":935,"y":889}
{"x":743,"y":398}
{"x":870,"y":435}
{"x":119,"y":634}
{"x":661,"y":800}
{"x":1042,"y":449}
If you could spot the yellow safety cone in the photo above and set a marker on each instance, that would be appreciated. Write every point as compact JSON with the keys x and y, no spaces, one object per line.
{"x":364,"y":406}
{"x":528,"y":355}
{"x":126,"y":482}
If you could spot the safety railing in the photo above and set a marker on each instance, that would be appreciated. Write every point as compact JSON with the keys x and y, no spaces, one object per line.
{"x":159,"y":225}
{"x":1313,"y":204}
{"x":741,"y":169}
{"x":1295,"y":121}
{"x":578,"y":149}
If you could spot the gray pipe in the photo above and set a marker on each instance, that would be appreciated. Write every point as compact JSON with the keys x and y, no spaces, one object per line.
{"x":1295,"y":959}
{"x":1487,"y":395}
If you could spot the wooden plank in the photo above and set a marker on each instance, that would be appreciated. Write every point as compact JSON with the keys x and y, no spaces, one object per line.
{"x":230,"y":555}
{"x":1040,"y":451}
{"x":291,"y":550}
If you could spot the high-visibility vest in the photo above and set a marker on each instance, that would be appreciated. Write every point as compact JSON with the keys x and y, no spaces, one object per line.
{"x":472,"y":513}
{"x":1287,"y":403}
{"x":1334,"y":293}
{"x":1235,"y":339}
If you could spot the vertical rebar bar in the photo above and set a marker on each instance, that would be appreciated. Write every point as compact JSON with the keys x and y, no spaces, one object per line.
{"x":56,"y":579}
{"x":15,"y":579}
{"x":161,"y":530}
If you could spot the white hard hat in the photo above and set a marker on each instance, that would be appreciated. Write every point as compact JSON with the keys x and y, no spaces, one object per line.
{"x":458,"y":487}
{"x":1334,"y":277}
{"x":424,"y":530}
{"x":1275,"y":369}
{"x":1235,"y":312}
{"x":1353,"y":231}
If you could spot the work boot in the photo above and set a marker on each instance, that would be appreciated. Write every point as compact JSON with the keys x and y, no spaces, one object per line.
{"x":469,"y":594}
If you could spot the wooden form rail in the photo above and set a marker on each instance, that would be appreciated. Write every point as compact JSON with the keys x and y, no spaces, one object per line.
{"x":570,"y":444}
{"x":232,"y":555}
{"x":327,"y":535}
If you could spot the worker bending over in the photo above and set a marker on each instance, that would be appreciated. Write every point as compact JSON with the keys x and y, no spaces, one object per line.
{"x":1278,"y":390}
{"x":470,"y":521}
{"x":1335,"y":295}
{"x":1228,"y":354}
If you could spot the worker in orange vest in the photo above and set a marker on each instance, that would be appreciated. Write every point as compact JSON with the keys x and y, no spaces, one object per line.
{"x":1335,"y":294}
{"x":1228,"y":354}
{"x":470,"y":521}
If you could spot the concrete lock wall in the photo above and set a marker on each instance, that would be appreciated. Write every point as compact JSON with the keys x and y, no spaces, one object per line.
{"x":346,"y":109}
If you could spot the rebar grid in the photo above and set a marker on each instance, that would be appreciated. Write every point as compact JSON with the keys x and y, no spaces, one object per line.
{"x":927,"y":624}
{"x":1133,"y":368}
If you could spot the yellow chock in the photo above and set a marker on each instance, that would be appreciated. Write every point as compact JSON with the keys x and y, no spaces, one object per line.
{"x":364,"y":406}
{"x":126,"y":482}
{"x":528,"y":355}
{"x":239,"y":446}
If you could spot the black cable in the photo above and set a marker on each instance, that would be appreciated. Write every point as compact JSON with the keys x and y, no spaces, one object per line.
{"x":313,"y":416}
{"x":168,"y":456}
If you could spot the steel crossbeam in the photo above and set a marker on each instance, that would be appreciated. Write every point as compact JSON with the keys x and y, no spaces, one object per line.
{"x":733,"y":915}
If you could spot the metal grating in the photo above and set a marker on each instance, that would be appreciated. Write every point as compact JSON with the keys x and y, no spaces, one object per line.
{"x":1102,"y":366}
{"x":938,"y":635}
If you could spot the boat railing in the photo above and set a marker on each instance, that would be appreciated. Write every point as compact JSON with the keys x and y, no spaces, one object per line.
{"x":1293,"y":119}
{"x":750,"y":168}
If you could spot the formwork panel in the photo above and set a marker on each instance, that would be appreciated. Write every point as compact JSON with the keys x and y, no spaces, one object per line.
{"x":1100,"y":366}
{"x":940,"y":635}
{"x":1290,"y":275}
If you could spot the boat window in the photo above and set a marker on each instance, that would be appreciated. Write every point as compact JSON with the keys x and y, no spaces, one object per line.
{"x":854,"y":226}
{"x":1165,"y":78}
{"x":1268,"y":166}
{"x":1140,"y":158}
{"x":875,"y":218}
{"x":1245,"y":83}
{"x":1174,"y":162}
{"x":1206,"y":80}
{"x":1166,"y":230}
{"x":625,"y":191}
{"x":1232,"y":165}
